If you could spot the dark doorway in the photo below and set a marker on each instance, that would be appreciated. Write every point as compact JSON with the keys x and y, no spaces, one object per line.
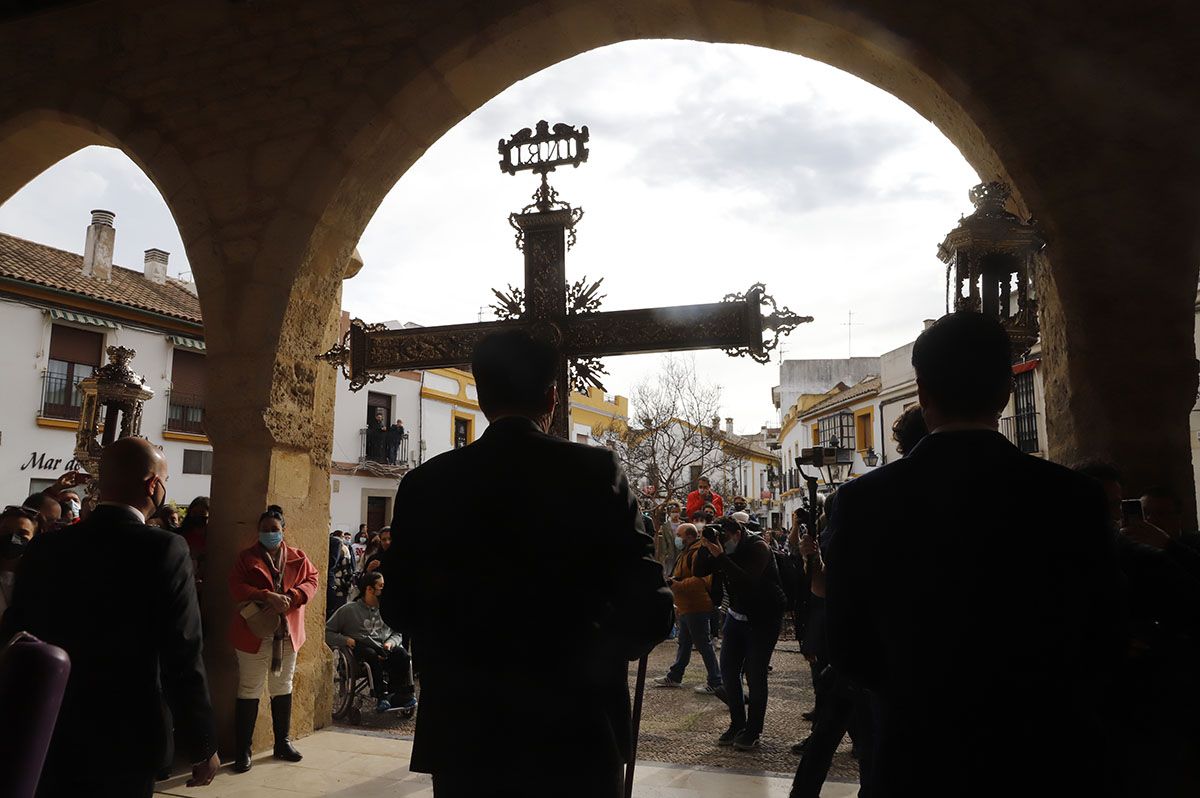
{"x":376,"y":513}
{"x":462,"y":432}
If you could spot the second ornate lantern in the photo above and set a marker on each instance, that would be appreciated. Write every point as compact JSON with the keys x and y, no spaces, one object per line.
{"x":990,"y":259}
{"x":112,"y":401}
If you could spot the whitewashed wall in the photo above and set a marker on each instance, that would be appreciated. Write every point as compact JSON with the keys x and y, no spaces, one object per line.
{"x":28,"y":451}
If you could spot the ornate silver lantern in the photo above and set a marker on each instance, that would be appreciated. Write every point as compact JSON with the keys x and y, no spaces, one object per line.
{"x":989,"y":261}
{"x":112,"y":401}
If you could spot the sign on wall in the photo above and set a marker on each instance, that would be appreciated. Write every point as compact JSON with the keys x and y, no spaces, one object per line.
{"x":39,"y":461}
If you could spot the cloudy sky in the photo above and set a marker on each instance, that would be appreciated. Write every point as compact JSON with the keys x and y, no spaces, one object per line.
{"x":712,"y":167}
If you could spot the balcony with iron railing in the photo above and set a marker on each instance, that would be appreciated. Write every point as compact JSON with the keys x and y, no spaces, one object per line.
{"x":1022,"y":430}
{"x":61,"y":398}
{"x":185,"y":413}
{"x":375,"y":446}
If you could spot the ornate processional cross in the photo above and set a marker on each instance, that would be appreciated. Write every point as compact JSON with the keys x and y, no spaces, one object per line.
{"x":566,"y":315}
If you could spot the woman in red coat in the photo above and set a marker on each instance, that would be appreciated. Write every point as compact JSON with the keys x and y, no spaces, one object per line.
{"x":271,"y":582}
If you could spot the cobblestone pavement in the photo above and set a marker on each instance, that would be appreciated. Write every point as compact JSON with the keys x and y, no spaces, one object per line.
{"x":681,"y":727}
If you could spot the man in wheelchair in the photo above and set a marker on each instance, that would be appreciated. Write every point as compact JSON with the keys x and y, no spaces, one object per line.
{"x":359,"y":627}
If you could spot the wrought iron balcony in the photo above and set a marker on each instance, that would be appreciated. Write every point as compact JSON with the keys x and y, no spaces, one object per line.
{"x":60,"y":397}
{"x":376,"y":447}
{"x":1022,"y":430}
{"x":185,"y":413}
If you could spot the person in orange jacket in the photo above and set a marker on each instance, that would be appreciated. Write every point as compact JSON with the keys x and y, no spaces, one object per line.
{"x":693,"y":606}
{"x":704,"y":495}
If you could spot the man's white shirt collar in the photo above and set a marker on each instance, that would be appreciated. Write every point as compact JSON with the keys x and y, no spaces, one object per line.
{"x":140,"y":515}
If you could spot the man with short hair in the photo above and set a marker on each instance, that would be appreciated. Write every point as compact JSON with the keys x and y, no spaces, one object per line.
{"x":131,"y":639}
{"x":693,"y":605}
{"x":984,"y":669}
{"x":395,"y":435}
{"x":753,"y":622}
{"x":358,"y":625}
{"x":576,"y":608}
{"x":702,"y":495}
{"x":377,"y":436}
{"x":71,"y":506}
{"x":47,"y":507}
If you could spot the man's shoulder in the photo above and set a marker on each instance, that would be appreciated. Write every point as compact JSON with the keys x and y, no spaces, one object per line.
{"x":882,"y":478}
{"x":102,"y":523}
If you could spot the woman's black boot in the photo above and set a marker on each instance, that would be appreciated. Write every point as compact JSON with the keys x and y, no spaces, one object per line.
{"x":245,"y":712}
{"x":281,"y":719}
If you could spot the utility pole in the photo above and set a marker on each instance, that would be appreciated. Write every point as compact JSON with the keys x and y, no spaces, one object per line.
{"x":850,"y":324}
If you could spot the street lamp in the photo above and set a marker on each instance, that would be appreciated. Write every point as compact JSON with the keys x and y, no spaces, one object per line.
{"x":990,"y":258}
{"x":772,"y":480}
{"x":870,"y":458}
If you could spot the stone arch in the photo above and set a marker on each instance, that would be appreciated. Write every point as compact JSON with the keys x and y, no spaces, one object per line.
{"x":1002,"y":125}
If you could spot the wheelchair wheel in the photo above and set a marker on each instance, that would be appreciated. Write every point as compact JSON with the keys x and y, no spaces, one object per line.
{"x":343,"y":685}
{"x":355,"y":715}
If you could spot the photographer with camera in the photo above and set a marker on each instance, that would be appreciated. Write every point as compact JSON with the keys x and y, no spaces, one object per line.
{"x":358,"y":625}
{"x":747,"y":568}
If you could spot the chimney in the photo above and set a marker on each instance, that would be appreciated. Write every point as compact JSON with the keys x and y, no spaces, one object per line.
{"x":98,"y":246}
{"x":928,"y":323}
{"x":729,"y":426}
{"x":156,"y":266}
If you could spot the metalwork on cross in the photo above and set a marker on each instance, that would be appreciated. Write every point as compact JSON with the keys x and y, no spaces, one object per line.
{"x":566,"y":315}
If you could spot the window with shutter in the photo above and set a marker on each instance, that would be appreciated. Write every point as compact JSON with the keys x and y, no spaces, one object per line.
{"x":74,"y":355}
{"x":185,"y":412}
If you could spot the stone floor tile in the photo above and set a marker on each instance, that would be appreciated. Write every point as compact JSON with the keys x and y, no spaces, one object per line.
{"x":348,"y":765}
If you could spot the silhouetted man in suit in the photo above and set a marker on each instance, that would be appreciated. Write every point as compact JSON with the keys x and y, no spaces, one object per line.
{"x":974,"y":590}
{"x":525,"y":617}
{"x":118,"y":596}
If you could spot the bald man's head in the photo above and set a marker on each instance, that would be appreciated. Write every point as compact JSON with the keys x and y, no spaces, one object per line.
{"x":133,"y":471}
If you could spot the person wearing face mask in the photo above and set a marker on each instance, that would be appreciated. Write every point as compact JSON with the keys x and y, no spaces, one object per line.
{"x":18,"y":525}
{"x":132,"y":642}
{"x":739,"y":505}
{"x":195,"y":531}
{"x":702,"y":495}
{"x":693,"y":605}
{"x":71,"y":505}
{"x":752,"y":625}
{"x":270,"y":582}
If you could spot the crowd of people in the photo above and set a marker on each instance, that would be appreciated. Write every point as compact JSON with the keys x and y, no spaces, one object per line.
{"x":966,"y":608}
{"x":157,"y":683}
{"x":976,"y":619}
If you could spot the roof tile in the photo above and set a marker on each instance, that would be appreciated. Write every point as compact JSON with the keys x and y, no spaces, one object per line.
{"x":39,"y":264}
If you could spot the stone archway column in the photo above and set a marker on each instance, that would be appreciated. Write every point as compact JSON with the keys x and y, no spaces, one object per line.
{"x":1118,"y":327}
{"x":269,"y":416}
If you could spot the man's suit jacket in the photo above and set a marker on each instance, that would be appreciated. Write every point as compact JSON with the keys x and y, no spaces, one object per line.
{"x":119,"y":597}
{"x":523,"y":614}
{"x":974,"y":589}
